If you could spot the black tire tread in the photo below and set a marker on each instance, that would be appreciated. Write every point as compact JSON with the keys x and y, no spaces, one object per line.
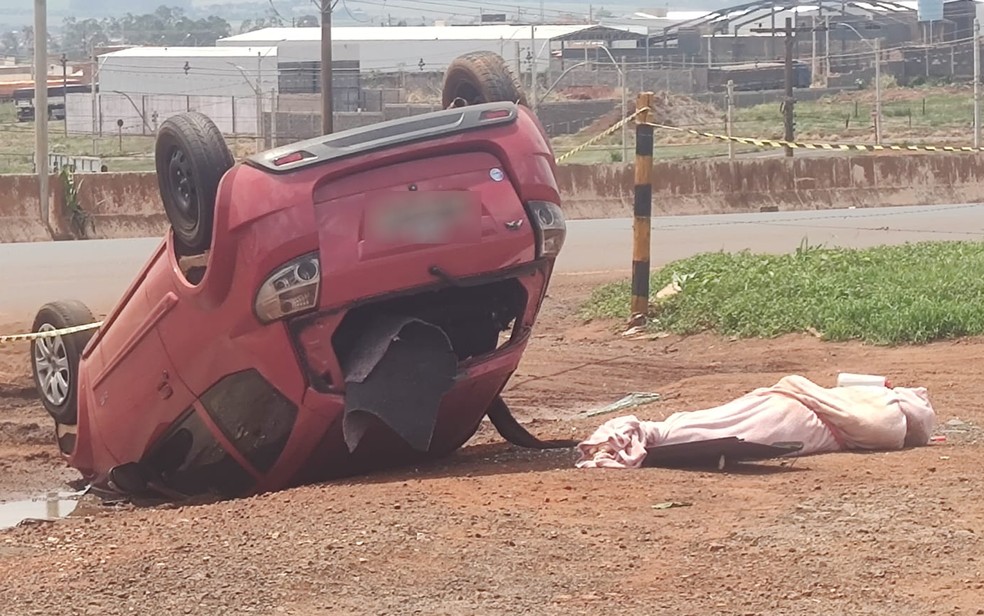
{"x":62,"y":314}
{"x":488,"y":73}
{"x":211,"y":158}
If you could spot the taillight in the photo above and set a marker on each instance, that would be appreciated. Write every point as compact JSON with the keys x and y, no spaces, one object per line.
{"x":292,"y":289}
{"x":293,"y":157}
{"x":549,"y":226}
{"x":493,"y":114}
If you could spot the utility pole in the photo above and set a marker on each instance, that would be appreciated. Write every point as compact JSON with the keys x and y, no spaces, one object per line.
{"x":259,"y":102}
{"x":274,"y":106}
{"x":878,"y":113}
{"x":64,"y":63}
{"x":813,"y":51}
{"x":790,"y":101}
{"x":41,"y":105}
{"x":730,"y":118}
{"x":327,"y":109}
{"x":977,"y":83}
{"x":519,"y":62}
{"x":533,"y":59}
{"x":826,"y":50}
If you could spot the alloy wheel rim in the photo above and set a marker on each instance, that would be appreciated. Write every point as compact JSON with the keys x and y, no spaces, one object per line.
{"x":51,"y":366}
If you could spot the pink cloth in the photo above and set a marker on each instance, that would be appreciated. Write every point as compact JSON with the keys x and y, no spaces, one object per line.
{"x":794,"y":409}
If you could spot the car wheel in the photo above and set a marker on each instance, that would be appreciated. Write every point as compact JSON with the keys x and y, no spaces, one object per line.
{"x":55,"y":360}
{"x":191,"y":156}
{"x":480,"y":77}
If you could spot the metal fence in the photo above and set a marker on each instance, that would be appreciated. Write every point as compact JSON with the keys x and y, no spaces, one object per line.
{"x":133,"y":114}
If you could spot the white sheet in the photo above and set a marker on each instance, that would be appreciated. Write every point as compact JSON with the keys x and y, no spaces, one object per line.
{"x":794,"y":409}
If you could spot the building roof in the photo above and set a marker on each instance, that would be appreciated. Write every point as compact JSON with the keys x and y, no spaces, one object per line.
{"x":193,"y":52}
{"x":409,"y":33}
{"x":604,"y":33}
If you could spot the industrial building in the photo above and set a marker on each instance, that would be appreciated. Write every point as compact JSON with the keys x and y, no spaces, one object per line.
{"x":203,"y":71}
{"x":139,"y":87}
{"x":432,"y":48}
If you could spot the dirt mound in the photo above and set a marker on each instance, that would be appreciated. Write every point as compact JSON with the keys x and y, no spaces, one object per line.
{"x":587,"y":93}
{"x":668,"y":109}
{"x":679,"y":110}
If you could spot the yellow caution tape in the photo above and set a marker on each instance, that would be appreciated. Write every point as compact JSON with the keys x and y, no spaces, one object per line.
{"x":598,"y":138}
{"x":836,"y":147}
{"x":55,"y":333}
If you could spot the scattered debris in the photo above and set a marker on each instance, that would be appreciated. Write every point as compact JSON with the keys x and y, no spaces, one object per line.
{"x":671,"y":505}
{"x":629,"y":401}
{"x":669,"y":290}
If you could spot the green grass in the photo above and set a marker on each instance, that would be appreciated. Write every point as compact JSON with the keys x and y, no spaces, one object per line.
{"x":136,"y":153}
{"x":913,"y":293}
{"x":910,"y":115}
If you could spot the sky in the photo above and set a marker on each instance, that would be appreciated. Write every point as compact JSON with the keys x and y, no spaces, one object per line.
{"x":20,"y":12}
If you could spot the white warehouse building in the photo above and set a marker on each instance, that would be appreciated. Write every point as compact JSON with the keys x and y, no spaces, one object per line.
{"x":203,"y":71}
{"x":238,"y":79}
{"x":140,"y":87}
{"x":422,"y":48}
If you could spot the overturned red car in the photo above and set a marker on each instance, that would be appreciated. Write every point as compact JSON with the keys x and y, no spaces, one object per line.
{"x":320,"y":309}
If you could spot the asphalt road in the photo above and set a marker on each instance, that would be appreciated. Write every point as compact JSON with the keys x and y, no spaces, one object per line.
{"x":97,"y":272}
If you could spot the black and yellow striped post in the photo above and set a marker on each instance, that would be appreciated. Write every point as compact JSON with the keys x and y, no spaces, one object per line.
{"x":642,"y":206}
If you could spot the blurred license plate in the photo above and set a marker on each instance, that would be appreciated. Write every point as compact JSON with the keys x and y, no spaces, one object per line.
{"x":424,"y":218}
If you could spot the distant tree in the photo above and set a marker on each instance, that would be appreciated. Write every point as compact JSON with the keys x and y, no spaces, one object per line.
{"x":165,"y":26}
{"x":271,"y":19}
{"x":308,"y":21}
{"x":11,"y":43}
{"x":79,"y":37}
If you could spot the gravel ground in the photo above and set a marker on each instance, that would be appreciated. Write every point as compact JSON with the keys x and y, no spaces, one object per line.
{"x":499,"y":530}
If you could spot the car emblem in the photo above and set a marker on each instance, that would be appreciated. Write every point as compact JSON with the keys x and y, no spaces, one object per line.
{"x":496,"y":174}
{"x":513,"y":225}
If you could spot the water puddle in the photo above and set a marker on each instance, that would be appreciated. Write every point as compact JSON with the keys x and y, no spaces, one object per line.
{"x":52,"y":506}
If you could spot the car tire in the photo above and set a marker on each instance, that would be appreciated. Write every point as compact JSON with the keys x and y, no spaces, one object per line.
{"x":191,"y":157}
{"x":55,"y":361}
{"x":480,"y":77}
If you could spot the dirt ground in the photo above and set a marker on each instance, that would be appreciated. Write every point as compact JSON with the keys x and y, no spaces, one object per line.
{"x":498,"y":530}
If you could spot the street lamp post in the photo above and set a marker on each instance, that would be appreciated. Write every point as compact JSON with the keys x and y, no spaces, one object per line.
{"x":876,"y":49}
{"x":621,"y":85}
{"x":561,"y":76}
{"x":258,"y":91}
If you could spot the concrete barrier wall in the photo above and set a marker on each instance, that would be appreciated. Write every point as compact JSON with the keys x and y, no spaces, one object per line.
{"x":722,"y":186}
{"x":121,"y":205}
{"x":20,"y":220}
{"x":128,"y":204}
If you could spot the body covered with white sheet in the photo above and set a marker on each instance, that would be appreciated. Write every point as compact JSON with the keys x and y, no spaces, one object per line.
{"x":793,"y":410}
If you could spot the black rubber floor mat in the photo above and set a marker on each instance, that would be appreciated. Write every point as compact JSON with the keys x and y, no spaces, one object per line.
{"x":709,"y":452}
{"x":399,"y":374}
